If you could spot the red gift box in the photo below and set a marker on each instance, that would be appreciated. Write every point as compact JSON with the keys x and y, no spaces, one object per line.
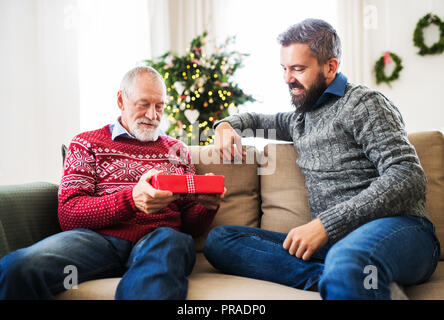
{"x":187,"y":183}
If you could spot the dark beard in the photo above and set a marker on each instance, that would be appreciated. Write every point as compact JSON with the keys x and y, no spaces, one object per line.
{"x":306,"y":101}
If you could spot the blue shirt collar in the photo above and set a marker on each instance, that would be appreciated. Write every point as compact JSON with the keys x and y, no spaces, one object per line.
{"x":336,"y":88}
{"x":117,"y":130}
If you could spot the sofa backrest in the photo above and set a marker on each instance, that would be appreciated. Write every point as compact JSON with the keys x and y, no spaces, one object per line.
{"x":283,"y":193}
{"x":241,"y":205}
{"x":28,"y":213}
{"x":430,"y":149}
{"x":284,"y":196}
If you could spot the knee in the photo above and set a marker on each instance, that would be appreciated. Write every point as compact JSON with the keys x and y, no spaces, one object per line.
{"x":170,"y":237}
{"x":340,"y":259}
{"x":20,"y":265}
{"x":345,"y":272}
{"x":216,"y":238}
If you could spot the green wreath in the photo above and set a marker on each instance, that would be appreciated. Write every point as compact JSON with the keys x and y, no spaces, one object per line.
{"x":380,"y":66}
{"x":418,"y":35}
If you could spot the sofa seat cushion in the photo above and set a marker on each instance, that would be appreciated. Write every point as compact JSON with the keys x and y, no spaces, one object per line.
{"x":217,"y":286}
{"x":205,"y":283}
{"x":102,"y":289}
{"x":432,"y":289}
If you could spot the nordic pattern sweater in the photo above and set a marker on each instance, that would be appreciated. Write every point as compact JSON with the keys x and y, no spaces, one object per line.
{"x":99,"y":176}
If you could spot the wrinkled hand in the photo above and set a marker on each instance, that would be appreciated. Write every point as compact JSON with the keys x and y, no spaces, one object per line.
{"x":228,"y":143}
{"x":305,"y":240}
{"x":210,"y":200}
{"x":150,"y":200}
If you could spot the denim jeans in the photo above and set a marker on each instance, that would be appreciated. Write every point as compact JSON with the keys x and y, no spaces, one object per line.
{"x":156,"y":267}
{"x":401,"y":249}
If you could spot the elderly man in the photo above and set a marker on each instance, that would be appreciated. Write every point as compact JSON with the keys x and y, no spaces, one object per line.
{"x":365,"y":184}
{"x":114,"y":222}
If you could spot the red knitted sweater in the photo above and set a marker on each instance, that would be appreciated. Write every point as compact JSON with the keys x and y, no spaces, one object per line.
{"x":99,"y":176}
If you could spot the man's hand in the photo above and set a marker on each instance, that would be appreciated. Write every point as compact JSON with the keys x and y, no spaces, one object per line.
{"x":305,"y":240}
{"x":210,"y":200}
{"x":150,"y":200}
{"x":228,"y":143}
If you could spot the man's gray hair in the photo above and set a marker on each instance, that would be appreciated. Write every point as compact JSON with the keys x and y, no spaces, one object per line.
{"x":127,"y":83}
{"x":320,"y":36}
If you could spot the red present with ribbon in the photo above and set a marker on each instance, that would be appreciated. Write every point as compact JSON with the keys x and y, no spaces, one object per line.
{"x":188,"y":183}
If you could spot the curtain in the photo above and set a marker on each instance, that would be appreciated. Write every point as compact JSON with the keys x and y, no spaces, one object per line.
{"x":189,"y":18}
{"x":351,"y":29}
{"x":38,"y":88}
{"x":159,"y":27}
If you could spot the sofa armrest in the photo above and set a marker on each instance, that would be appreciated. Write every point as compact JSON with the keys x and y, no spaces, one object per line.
{"x":28,"y":213}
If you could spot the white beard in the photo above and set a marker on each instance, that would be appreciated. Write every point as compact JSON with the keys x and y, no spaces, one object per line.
{"x":144,"y":134}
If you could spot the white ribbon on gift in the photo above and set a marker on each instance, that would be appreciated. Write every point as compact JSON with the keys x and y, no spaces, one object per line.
{"x":191,"y":186}
{"x":190,"y":183}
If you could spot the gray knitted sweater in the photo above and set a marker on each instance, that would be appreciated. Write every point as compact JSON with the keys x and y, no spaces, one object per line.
{"x":354,"y":153}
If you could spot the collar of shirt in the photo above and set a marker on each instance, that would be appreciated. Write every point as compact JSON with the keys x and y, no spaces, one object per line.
{"x":336,"y":88}
{"x":117,"y":130}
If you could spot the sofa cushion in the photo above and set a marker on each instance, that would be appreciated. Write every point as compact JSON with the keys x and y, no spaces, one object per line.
{"x":432,"y":289}
{"x":283,"y":192}
{"x":101,"y":289}
{"x":28,"y":213}
{"x":241,"y":204}
{"x":430,"y":149}
{"x":205,"y":283}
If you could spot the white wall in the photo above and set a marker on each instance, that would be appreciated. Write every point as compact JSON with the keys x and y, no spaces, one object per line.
{"x":419,"y":91}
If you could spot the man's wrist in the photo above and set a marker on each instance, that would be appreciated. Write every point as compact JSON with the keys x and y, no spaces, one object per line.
{"x":221,"y":124}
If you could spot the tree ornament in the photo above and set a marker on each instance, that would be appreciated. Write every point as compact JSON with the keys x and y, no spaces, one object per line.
{"x":418,"y":35}
{"x":192,"y":115}
{"x":380,"y":64}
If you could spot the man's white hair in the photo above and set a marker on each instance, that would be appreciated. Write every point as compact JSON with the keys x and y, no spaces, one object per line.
{"x":127,"y":83}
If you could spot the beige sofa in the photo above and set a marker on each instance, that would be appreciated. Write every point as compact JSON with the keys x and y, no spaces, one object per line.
{"x":276,"y":199}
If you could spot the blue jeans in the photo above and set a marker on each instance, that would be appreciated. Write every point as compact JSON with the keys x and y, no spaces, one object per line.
{"x":401,"y":249}
{"x":156,"y":267}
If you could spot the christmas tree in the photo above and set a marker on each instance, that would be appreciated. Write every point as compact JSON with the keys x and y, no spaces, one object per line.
{"x":200,"y":89}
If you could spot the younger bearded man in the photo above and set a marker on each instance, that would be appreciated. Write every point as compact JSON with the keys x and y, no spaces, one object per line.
{"x":366,"y":187}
